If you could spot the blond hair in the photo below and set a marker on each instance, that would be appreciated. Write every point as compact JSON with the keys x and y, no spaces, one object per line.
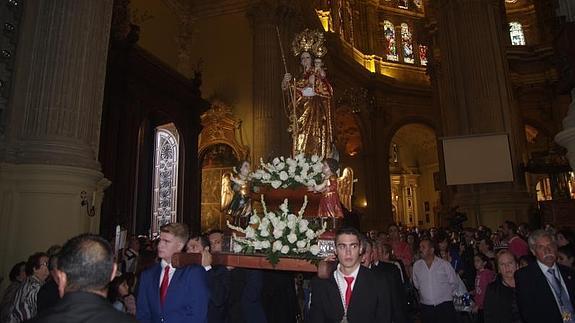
{"x":179,"y":230}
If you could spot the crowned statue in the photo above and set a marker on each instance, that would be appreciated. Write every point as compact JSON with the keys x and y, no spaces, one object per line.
{"x":309,"y":96}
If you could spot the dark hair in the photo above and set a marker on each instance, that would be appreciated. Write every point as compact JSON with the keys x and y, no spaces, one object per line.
{"x":567,"y":251}
{"x":568,"y":234}
{"x":511,"y":226}
{"x":113,"y":294}
{"x":332,"y":164}
{"x":15,"y":271}
{"x":431,"y":242}
{"x":365,"y":242}
{"x":527,"y":258}
{"x":34,"y":262}
{"x":88,"y":262}
{"x":348,"y":230}
{"x":214,"y":231}
{"x":488,"y":242}
{"x":203,"y":238}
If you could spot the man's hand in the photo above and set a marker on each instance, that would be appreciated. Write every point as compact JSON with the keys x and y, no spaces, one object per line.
{"x":206,"y":257}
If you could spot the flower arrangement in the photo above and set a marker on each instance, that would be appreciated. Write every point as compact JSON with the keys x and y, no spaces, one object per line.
{"x":289,"y":172}
{"x":279,"y":233}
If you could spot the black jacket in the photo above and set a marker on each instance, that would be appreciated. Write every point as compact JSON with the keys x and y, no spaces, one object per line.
{"x":82,"y":307}
{"x":534,"y":295}
{"x":391,"y":273}
{"x":370,"y":300}
{"x":499,"y":305}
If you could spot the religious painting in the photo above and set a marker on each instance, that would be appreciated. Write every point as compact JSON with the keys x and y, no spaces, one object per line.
{"x":407,"y":44}
{"x":390,"y":44}
{"x":423,"y":55}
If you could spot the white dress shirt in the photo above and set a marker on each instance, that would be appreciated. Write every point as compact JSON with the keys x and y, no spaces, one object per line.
{"x":163,"y":263}
{"x":436,"y":284}
{"x":339,"y":277}
{"x":549,"y":277}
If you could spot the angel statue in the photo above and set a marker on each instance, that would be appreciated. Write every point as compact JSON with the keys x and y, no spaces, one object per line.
{"x":310,"y":95}
{"x":236,"y":201}
{"x":336,"y":190}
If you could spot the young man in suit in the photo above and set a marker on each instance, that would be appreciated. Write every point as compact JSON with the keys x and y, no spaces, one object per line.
{"x":353,"y":293}
{"x":85,"y":267}
{"x":167,"y":294}
{"x":545,"y":289}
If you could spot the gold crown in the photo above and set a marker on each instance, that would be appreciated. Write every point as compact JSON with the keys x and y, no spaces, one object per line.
{"x":310,"y":41}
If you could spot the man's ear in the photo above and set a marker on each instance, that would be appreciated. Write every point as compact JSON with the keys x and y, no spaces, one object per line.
{"x":114,"y":270}
{"x":62,"y":281}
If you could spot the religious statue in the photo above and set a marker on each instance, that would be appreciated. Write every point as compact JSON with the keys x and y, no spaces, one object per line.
{"x":309,"y":107}
{"x":336,"y":191}
{"x":236,"y":201}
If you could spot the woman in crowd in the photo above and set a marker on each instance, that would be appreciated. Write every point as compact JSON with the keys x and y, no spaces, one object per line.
{"x":566,"y":256}
{"x":483,"y":278}
{"x":500,"y":304}
{"x":120,"y":297}
{"x":447,"y":253}
{"x":485,"y":247}
{"x":17,"y":276}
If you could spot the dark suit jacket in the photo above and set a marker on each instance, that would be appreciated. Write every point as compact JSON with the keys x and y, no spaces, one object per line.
{"x":499,"y":303}
{"x":48,"y":295}
{"x":219,"y":285}
{"x":391,"y":273}
{"x":245,"y":304}
{"x":82,"y":307}
{"x":186,"y":300}
{"x":535,"y":297}
{"x":370,"y":300}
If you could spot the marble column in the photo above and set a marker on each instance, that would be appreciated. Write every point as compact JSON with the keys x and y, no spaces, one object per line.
{"x":475,"y":97}
{"x":267,"y":75}
{"x":49,"y":155}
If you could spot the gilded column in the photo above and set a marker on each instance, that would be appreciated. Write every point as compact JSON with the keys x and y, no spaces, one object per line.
{"x":267,"y":76}
{"x":51,"y":146}
{"x":475,"y":97}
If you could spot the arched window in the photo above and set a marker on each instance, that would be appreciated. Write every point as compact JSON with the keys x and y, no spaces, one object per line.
{"x":423,"y":55}
{"x":407,"y":44}
{"x":390,"y":45}
{"x":516,"y":33}
{"x":166,"y":154}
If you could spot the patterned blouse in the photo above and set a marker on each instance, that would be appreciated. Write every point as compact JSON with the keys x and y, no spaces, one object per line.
{"x":25,"y":304}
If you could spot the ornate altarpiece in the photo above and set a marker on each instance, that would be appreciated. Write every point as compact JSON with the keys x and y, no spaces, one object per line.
{"x":219,"y":150}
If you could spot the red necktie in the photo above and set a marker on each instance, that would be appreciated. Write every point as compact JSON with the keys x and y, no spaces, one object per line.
{"x":164,"y":285}
{"x":349,"y":280}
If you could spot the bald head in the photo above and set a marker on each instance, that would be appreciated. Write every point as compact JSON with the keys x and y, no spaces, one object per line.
{"x":87,"y":260}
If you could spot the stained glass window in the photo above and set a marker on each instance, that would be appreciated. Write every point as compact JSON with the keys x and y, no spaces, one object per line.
{"x":407,"y":44}
{"x":423,"y":55}
{"x":516,"y":33}
{"x":166,"y":154}
{"x":390,"y":46}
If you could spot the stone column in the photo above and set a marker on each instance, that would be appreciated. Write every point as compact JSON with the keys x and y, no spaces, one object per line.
{"x":267,"y":75}
{"x":475,"y":97}
{"x":51,"y":146}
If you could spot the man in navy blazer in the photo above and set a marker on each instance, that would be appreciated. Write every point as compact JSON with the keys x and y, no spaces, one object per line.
{"x":167,"y":294}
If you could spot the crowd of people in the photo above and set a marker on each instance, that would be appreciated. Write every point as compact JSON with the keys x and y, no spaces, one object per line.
{"x":398,"y":275}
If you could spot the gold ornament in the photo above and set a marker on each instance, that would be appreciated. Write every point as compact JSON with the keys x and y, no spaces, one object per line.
{"x":311,"y":41}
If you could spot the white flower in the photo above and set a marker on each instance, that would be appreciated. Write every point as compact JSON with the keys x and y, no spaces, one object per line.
{"x":278,"y":233}
{"x":291,"y":170}
{"x":284,"y":250}
{"x":291,"y":217}
{"x":317,"y":168}
{"x":292,"y":238}
{"x":310,"y":234}
{"x":280,"y":225}
{"x":291,"y":224}
{"x":265,"y":222}
{"x":276,"y":161}
{"x":301,"y":244}
{"x":254,"y":219}
{"x":257,"y":245}
{"x":314,"y":158}
{"x":276,"y":184}
{"x":265,"y":244}
{"x":277,"y":245}
{"x":303,"y":225}
{"x":237,"y":248}
{"x":264,"y":232}
{"x":280,"y":166}
{"x":250,"y":233}
{"x":284,"y":206}
{"x":314,"y":249}
{"x":266,"y":176}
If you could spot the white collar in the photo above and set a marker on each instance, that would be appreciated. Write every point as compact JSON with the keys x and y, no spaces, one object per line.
{"x":164,"y":263}
{"x":545,"y":268}
{"x":353,"y":274}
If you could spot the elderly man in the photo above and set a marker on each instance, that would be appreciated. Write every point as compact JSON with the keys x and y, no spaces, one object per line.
{"x":545,"y":288}
{"x":85,"y":267}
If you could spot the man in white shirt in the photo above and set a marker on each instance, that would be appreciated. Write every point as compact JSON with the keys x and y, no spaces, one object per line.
{"x":436,"y":282}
